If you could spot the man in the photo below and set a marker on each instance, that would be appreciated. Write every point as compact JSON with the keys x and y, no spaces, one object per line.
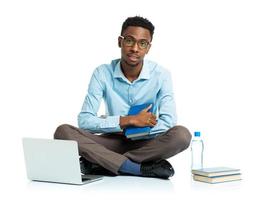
{"x":123,"y":83}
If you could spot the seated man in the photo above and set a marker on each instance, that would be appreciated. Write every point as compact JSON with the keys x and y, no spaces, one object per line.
{"x":123,"y":83}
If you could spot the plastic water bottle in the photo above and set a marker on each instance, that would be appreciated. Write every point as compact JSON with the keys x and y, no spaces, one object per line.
{"x":197,"y":149}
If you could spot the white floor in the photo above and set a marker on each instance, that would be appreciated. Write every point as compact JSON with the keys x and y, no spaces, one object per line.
{"x":15,"y":184}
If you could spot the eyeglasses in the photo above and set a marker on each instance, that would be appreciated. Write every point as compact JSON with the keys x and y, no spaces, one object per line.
{"x":129,"y":41}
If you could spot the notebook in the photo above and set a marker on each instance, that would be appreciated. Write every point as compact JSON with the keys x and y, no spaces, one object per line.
{"x":217,"y":179}
{"x":216,"y":171}
{"x":132,"y":131}
{"x":216,"y":174}
{"x":54,"y":161}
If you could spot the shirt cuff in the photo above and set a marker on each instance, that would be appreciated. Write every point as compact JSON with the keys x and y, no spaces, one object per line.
{"x":112,"y":123}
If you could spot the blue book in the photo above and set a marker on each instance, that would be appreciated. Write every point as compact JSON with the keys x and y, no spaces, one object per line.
{"x":133,"y":131}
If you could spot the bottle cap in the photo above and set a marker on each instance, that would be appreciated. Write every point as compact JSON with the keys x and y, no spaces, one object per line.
{"x":197,"y":134}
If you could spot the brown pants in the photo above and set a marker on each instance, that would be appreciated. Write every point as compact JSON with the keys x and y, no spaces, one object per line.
{"x":111,"y":150}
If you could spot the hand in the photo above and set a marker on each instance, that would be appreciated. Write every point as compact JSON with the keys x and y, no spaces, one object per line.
{"x":144,"y":118}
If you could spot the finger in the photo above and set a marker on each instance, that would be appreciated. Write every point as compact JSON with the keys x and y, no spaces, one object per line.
{"x":147,"y":108}
{"x":152,"y":122}
{"x":152,"y":119}
{"x":153,"y":116}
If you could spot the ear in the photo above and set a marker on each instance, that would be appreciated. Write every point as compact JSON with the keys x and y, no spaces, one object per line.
{"x":119,"y":42}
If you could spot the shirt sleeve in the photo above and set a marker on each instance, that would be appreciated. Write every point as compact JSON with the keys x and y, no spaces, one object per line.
{"x":167,"y":117}
{"x":87,"y":118}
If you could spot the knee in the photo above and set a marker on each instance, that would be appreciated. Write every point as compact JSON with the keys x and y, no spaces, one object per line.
{"x":181,"y":138}
{"x":62,"y":131}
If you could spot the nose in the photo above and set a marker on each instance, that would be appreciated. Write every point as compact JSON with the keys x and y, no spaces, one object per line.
{"x":135,"y":47}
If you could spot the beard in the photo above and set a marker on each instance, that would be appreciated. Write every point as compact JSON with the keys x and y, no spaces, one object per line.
{"x":132,"y":64}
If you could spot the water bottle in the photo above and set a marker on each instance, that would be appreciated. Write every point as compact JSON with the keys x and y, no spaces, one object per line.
{"x":197,"y":149}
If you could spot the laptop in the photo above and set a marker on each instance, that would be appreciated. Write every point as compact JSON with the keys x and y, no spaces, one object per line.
{"x":54,"y":161}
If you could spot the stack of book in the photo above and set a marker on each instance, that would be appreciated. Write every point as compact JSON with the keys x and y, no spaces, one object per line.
{"x":216,"y":174}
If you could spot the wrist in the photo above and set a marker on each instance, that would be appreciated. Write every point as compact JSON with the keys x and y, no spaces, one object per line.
{"x":131,"y":120}
{"x":126,"y":121}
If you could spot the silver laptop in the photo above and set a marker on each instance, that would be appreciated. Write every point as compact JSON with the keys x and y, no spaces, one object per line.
{"x":54,"y":161}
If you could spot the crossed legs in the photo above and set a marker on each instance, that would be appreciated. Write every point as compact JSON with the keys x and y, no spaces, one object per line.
{"x":111,"y":150}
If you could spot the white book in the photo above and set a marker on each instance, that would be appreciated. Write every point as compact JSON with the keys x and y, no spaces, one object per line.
{"x":217,"y":179}
{"x":216,"y":171}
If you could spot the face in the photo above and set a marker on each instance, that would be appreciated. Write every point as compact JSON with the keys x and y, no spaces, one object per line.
{"x":134,"y":44}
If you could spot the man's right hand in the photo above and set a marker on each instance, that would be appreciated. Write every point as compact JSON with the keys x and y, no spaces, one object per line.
{"x":144,"y":118}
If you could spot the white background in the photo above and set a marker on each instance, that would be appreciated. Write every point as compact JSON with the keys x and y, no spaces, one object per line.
{"x":217,"y":52}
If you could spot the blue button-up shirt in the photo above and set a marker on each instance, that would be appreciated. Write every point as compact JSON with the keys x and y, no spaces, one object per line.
{"x":108,"y":82}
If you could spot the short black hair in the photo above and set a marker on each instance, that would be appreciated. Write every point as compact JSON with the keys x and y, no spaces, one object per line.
{"x":138,"y":21}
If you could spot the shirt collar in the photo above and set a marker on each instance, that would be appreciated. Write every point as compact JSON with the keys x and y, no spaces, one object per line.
{"x":144,"y":74}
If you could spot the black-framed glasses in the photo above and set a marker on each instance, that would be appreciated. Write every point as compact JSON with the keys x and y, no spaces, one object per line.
{"x":129,"y":41}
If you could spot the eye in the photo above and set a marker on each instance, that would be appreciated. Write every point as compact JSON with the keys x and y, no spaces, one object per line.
{"x":129,"y":41}
{"x":143,"y":43}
